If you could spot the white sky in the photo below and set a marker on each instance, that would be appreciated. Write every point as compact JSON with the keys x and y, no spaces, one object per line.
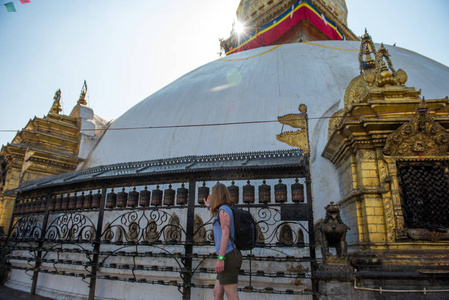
{"x":127,"y":50}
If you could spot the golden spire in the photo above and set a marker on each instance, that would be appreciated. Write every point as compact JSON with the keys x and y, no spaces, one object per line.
{"x":82,"y":99}
{"x":367,"y":48}
{"x":56,"y":107}
{"x":378,"y":71}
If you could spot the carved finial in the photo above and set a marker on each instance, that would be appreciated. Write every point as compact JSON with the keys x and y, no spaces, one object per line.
{"x":422,"y":106}
{"x":378,"y":71}
{"x":56,"y":107}
{"x":82,"y":99}
{"x":366,"y":49}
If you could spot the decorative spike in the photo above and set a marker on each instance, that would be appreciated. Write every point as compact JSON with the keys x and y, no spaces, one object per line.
{"x":56,"y":107}
{"x":82,"y":99}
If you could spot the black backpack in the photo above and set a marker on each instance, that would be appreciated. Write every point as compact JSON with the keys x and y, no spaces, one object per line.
{"x":245,"y":229}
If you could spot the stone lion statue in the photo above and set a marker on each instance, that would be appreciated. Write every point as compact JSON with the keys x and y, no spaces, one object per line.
{"x":331,"y":232}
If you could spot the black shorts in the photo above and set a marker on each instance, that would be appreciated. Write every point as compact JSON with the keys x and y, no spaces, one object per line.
{"x":233,"y":262}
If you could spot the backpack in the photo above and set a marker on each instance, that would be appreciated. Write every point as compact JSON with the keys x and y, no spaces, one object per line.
{"x":245,"y":229}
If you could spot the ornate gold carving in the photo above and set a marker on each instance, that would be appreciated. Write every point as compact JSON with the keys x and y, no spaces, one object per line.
{"x":367,"y":49}
{"x":355,"y":91}
{"x":418,"y":137}
{"x":389,"y":219}
{"x":379,"y":71}
{"x":82,"y":99}
{"x":56,"y":107}
{"x":300,"y":138}
{"x":335,"y":120}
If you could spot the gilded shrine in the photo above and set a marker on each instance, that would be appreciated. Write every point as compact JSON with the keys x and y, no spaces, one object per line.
{"x":390,"y":147}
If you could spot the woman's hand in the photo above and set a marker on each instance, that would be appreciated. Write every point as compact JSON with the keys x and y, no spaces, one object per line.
{"x":208,"y":201}
{"x":219,"y":266}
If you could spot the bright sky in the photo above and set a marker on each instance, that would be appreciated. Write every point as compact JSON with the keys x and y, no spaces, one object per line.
{"x":127,"y":50}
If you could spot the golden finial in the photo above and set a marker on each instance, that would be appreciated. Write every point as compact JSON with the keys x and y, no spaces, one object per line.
{"x":82,"y":99}
{"x":367,"y":48}
{"x":56,"y":107}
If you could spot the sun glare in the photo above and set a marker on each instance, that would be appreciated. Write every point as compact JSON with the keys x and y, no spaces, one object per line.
{"x":239,"y":28}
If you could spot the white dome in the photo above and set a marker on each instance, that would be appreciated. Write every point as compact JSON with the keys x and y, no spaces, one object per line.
{"x":255,"y":85}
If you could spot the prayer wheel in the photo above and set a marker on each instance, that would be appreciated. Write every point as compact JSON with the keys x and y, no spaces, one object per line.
{"x":145,"y":197}
{"x":203,"y":192}
{"x":297,"y":192}
{"x":169,"y":196}
{"x":43,"y":205}
{"x":133,"y":199}
{"x":264,"y":193}
{"x":72,"y":202}
{"x":280,"y":192}
{"x":65,"y":202}
{"x":111,"y":199}
{"x":80,"y":201}
{"x":58,"y":204}
{"x":87,"y":204}
{"x":248,"y":193}
{"x":122,"y":198}
{"x":156,"y":197}
{"x":234,"y":192}
{"x":52,"y":204}
{"x":96,"y":200}
{"x":181,"y":195}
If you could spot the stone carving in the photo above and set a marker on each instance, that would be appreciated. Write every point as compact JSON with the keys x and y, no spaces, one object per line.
{"x":199,"y":230}
{"x":419,"y":137}
{"x":332,"y":233}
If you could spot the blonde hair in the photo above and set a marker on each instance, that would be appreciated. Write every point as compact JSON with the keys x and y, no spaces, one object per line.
{"x":220,"y":196}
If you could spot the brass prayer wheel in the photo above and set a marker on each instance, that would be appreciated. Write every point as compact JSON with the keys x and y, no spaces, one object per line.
{"x":145,"y":197}
{"x":280,"y":192}
{"x":52,"y":203}
{"x":122,"y":198}
{"x":111,"y":199}
{"x":169,"y":196}
{"x":72,"y":202}
{"x":234,"y":192}
{"x":80,"y":201}
{"x":37,"y":205}
{"x":181,"y":195}
{"x":65,"y":202}
{"x":156,"y":198}
{"x":248,"y":193}
{"x":58,"y":204}
{"x":87,"y":204}
{"x":96,"y":200}
{"x":133,"y":198}
{"x":43,"y":205}
{"x":297,"y":192}
{"x":264,"y":193}
{"x":203,"y":192}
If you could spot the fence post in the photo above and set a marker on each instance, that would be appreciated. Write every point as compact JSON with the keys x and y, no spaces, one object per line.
{"x":97,"y":244}
{"x":187,"y":273}
{"x":38,"y":262}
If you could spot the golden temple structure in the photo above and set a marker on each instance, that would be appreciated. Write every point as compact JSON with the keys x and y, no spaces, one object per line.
{"x":44,"y":147}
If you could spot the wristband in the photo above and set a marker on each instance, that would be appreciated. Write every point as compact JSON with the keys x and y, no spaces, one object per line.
{"x":221,"y":257}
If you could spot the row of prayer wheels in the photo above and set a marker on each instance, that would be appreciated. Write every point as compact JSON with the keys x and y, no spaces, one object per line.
{"x":67,"y":203}
{"x":157,"y":197}
{"x":249,"y":195}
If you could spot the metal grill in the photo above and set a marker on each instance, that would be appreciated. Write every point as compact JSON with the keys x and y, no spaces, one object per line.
{"x":156,"y":230}
{"x":424,"y":192}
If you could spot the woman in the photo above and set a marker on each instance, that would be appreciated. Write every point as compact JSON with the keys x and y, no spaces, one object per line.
{"x":229,"y":259}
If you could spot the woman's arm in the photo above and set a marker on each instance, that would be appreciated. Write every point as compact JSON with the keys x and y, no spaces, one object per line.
{"x":225,"y":223}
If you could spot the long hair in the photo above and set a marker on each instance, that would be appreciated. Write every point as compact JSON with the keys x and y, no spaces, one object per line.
{"x":220,"y":196}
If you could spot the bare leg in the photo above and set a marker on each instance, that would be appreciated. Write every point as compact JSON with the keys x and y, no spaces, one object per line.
{"x":218,"y":291}
{"x":231,"y":291}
